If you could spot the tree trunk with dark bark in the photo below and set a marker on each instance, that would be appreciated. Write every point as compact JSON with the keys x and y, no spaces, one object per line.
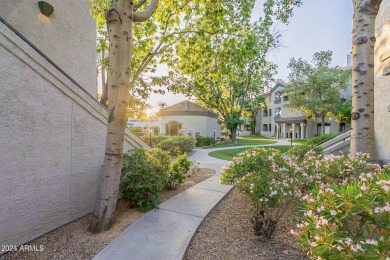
{"x":233,"y":132}
{"x":363,"y":42}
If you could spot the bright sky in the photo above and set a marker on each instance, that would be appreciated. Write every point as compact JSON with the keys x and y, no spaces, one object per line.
{"x":316,"y":26}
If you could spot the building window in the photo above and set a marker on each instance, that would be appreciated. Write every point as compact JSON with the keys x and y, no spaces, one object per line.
{"x":265,"y":128}
{"x":270,"y":112}
{"x":269,"y":128}
{"x":342,"y":127}
{"x":285,"y":98}
{"x":278,"y":97}
{"x":327,"y":128}
{"x":197,"y":134}
{"x":278,"y":112}
{"x":265,"y":113}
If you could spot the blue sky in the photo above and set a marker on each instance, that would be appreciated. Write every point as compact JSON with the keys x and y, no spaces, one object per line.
{"x":316,"y":26}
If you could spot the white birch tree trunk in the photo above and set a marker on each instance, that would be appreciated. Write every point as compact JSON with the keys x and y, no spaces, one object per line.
{"x":363,"y":42}
{"x":119,"y":21}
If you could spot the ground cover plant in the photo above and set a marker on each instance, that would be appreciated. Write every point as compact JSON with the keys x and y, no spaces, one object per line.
{"x":343,"y":217}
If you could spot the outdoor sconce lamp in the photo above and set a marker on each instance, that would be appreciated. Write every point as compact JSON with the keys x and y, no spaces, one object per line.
{"x":46,"y":8}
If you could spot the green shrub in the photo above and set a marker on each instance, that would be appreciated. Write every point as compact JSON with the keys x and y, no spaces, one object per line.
{"x":161,"y":161}
{"x":178,"y":171}
{"x":204,"y":141}
{"x":156,"y":139}
{"x":137,"y":129}
{"x":140,"y":184}
{"x":350,"y":220}
{"x":318,"y":139}
{"x":177,"y":144}
{"x":225,"y":132}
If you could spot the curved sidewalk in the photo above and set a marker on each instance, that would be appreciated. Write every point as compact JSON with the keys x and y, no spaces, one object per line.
{"x":166,"y":232}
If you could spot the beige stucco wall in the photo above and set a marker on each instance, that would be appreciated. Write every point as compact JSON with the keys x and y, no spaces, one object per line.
{"x":310,"y":129}
{"x":67,"y":37}
{"x":52,"y":144}
{"x":202,"y":124}
{"x":382,"y":83}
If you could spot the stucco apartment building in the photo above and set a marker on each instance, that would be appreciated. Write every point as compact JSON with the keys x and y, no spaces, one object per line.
{"x":278,"y":120}
{"x":53,"y":130}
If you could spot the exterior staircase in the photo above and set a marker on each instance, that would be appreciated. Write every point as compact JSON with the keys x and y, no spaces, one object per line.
{"x":338,"y":143}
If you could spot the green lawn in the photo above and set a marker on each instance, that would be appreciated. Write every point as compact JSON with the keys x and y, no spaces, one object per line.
{"x":240,"y":142}
{"x":228,"y":154}
{"x":299,"y":141}
{"x":256,"y":137}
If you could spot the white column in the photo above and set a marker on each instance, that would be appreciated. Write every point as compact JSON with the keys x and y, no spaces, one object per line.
{"x":293,"y":130}
{"x":283,"y":130}
{"x":278,"y":130}
{"x":302,"y":130}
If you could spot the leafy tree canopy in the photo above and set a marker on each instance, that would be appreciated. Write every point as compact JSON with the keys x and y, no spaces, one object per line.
{"x":314,"y":87}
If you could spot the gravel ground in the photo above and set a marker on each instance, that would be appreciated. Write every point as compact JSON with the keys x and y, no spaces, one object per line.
{"x":226,"y":233}
{"x":73,"y":241}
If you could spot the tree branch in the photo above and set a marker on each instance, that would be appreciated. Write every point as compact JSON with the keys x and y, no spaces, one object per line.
{"x":137,"y":6}
{"x":145,"y":15}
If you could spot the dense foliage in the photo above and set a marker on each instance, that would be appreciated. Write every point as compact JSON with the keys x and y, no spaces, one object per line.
{"x":343,"y":216}
{"x":319,"y":139}
{"x":177,"y":144}
{"x":146,"y":172}
{"x":178,"y":171}
{"x":141,"y":184}
{"x":156,"y":139}
{"x":204,"y":141}
{"x":299,"y":151}
{"x":314,"y":88}
{"x":350,"y":220}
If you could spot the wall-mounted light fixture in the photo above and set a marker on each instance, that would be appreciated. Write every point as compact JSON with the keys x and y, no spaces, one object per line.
{"x":46,"y":8}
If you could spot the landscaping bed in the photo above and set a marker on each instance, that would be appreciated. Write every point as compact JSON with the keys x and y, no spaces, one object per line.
{"x":226,"y":233}
{"x":73,"y":241}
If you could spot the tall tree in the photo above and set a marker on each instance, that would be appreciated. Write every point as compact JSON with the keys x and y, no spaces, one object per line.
{"x":120,"y":25}
{"x":223,"y":77}
{"x":363,"y":43}
{"x":253,"y":104}
{"x":314,"y":88}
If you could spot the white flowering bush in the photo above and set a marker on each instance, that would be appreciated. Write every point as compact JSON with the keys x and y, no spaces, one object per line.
{"x":350,"y":220}
{"x":317,"y":169}
{"x":268,"y":179}
{"x":343,"y":215}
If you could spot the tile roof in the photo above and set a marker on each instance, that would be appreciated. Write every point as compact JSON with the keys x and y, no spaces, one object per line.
{"x":186,"y":106}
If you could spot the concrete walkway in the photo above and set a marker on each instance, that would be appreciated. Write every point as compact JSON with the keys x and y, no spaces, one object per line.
{"x":165,"y":233}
